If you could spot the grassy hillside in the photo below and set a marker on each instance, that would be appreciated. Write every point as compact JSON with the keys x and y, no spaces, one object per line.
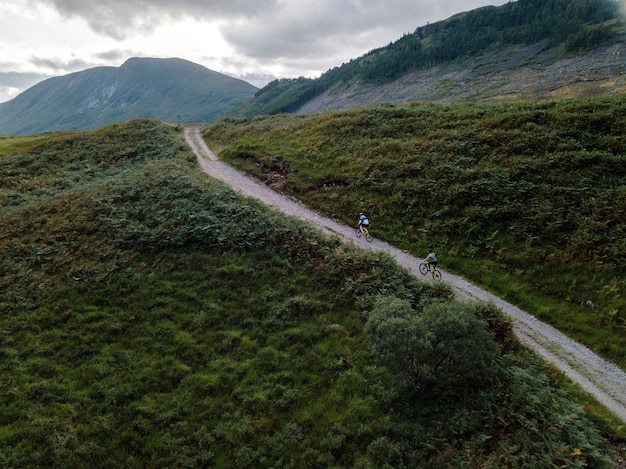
{"x":153,"y":318}
{"x":526,"y":199}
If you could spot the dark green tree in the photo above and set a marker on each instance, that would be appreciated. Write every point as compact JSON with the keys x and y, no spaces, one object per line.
{"x":447,"y":346}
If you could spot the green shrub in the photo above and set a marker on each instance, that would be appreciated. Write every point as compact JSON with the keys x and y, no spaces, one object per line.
{"x":447,"y":346}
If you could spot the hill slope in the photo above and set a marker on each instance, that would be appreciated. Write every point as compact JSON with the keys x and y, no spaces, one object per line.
{"x":139,"y":331}
{"x":524,"y":73}
{"x":525,"y":198}
{"x":165,"y":89}
{"x":604,"y":381}
{"x":527,"y":49}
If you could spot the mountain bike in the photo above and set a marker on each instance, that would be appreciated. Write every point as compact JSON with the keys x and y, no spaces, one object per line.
{"x":366,"y":234}
{"x":434,"y":271}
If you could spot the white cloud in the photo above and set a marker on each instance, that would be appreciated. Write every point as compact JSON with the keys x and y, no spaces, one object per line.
{"x":121,"y":19}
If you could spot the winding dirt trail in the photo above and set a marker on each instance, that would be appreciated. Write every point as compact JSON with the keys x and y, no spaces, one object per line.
{"x":605,"y":381}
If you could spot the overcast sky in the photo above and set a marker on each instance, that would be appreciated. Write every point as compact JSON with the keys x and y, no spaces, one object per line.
{"x":255,"y":40}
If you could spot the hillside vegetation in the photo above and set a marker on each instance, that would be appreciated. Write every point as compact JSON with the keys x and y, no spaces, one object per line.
{"x":151,"y":317}
{"x":486,"y":53}
{"x":526,"y":199}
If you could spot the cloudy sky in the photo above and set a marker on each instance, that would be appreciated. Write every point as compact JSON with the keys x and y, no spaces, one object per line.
{"x":255,"y":40}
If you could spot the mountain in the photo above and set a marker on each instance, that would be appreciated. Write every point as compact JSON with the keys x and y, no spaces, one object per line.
{"x":166,"y":89}
{"x":527,"y":49}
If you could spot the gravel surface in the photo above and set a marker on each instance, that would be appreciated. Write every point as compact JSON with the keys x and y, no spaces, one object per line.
{"x":605,"y":381}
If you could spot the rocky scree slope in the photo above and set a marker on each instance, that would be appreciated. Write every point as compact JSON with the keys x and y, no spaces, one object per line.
{"x":523,"y":73}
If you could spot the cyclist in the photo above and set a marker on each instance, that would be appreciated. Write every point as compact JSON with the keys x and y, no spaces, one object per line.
{"x":431,"y":259}
{"x":363,"y":222}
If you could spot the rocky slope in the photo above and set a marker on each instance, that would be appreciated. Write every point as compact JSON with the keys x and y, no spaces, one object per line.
{"x":532,"y":72}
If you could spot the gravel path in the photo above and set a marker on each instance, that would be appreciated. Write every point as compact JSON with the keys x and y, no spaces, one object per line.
{"x":603,"y":380}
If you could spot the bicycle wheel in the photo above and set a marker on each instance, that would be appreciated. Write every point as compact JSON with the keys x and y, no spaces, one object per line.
{"x":424,"y":268}
{"x":368,"y":236}
{"x":358,"y":232}
{"x":436,"y":274}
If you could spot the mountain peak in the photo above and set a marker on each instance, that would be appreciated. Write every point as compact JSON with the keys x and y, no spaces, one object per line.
{"x":170,"y":89}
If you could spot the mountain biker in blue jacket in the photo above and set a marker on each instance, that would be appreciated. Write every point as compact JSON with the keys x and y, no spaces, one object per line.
{"x":431,"y":259}
{"x":363,"y":222}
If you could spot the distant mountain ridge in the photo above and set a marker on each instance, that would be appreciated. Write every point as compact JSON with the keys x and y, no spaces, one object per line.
{"x":524,"y":49}
{"x":166,"y":89}
{"x":526,"y":73}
